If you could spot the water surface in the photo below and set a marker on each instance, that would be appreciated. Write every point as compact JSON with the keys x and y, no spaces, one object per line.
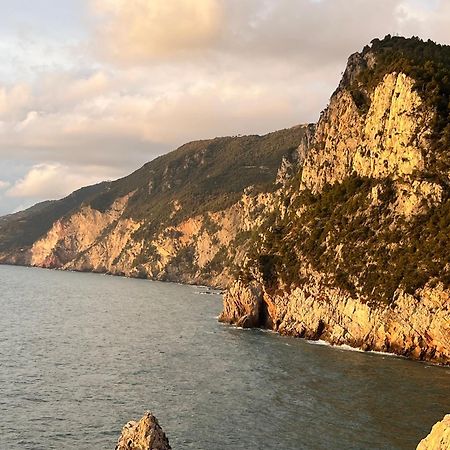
{"x":81,"y":354}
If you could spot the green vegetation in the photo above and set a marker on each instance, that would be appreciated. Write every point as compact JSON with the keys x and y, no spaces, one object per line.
{"x":365,"y":249}
{"x":203,"y":176}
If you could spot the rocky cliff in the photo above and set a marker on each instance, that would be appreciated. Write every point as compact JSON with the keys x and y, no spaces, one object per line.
{"x":181,"y":217}
{"x":418,"y":330}
{"x":338,"y":231}
{"x":439,"y":437}
{"x":359,"y":251}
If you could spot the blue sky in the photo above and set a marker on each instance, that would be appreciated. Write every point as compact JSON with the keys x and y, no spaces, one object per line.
{"x":92,"y":89}
{"x":60,"y":19}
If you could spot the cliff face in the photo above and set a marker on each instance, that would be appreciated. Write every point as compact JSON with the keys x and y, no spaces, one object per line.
{"x":418,"y":330}
{"x":389,"y":141}
{"x":77,"y":234}
{"x":183,"y":217}
{"x":358,"y":254}
{"x":201,"y":249}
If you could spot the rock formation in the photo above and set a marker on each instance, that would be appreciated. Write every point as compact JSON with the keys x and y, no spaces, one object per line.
{"x":356,"y":252}
{"x":156,"y":223}
{"x":146,"y":434}
{"x":418,"y":330}
{"x":439,"y":437}
{"x":243,"y":305}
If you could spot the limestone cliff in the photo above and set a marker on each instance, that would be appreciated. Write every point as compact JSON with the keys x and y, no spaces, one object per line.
{"x":439,"y":437}
{"x":197,"y":250}
{"x":418,"y":330}
{"x":390,"y":140}
{"x":359,"y":252}
{"x":146,"y":434}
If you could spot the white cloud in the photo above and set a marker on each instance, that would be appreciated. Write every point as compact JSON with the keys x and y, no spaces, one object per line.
{"x":4,"y":185}
{"x":141,"y":29}
{"x":127,"y":118}
{"x":428,"y":20}
{"x":52,"y":181}
{"x":140,"y":32}
{"x":14,"y":101}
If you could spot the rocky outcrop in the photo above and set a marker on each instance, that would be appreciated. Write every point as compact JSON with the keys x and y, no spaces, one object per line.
{"x":243,"y":305}
{"x":390,"y":140}
{"x":199,"y":250}
{"x":439,"y":437}
{"x":146,"y":434}
{"x":177,"y":218}
{"x":416,"y":328}
{"x":74,"y":240}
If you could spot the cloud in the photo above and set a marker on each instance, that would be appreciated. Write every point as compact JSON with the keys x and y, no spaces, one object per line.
{"x":149,"y":75}
{"x":140,"y":29}
{"x":14,"y":101}
{"x":428,"y":20}
{"x":142,"y":32}
{"x":4,"y":185}
{"x":127,"y":118}
{"x":50,"y":181}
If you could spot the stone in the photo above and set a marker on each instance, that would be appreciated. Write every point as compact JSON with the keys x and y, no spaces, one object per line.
{"x":146,"y":434}
{"x":439,"y":437}
{"x":242,"y":305}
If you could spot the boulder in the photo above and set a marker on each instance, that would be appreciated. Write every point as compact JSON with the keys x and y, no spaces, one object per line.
{"x":146,"y":434}
{"x":439,"y":437}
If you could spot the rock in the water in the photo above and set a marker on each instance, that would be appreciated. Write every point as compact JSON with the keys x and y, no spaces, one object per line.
{"x":143,"y":435}
{"x":439,"y":437}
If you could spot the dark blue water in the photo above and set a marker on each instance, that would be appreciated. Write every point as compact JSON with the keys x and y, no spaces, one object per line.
{"x":81,"y":354}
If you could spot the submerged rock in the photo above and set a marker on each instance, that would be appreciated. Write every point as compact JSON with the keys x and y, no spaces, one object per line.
{"x":143,"y":435}
{"x":439,"y":437}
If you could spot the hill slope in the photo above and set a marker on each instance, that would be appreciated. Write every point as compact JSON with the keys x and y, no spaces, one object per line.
{"x":157,"y":221}
{"x":338,"y":231}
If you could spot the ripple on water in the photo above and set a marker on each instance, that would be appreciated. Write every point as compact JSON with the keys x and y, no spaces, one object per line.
{"x":81,"y":354}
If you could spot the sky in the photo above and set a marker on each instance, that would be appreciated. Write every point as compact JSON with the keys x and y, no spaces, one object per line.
{"x":92,"y":89}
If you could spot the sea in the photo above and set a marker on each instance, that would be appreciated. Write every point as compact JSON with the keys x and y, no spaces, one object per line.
{"x":81,"y":354}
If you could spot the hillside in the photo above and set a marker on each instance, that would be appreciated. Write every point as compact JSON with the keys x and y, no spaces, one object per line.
{"x":336,"y":231}
{"x":20,"y":230}
{"x":149,"y":223}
